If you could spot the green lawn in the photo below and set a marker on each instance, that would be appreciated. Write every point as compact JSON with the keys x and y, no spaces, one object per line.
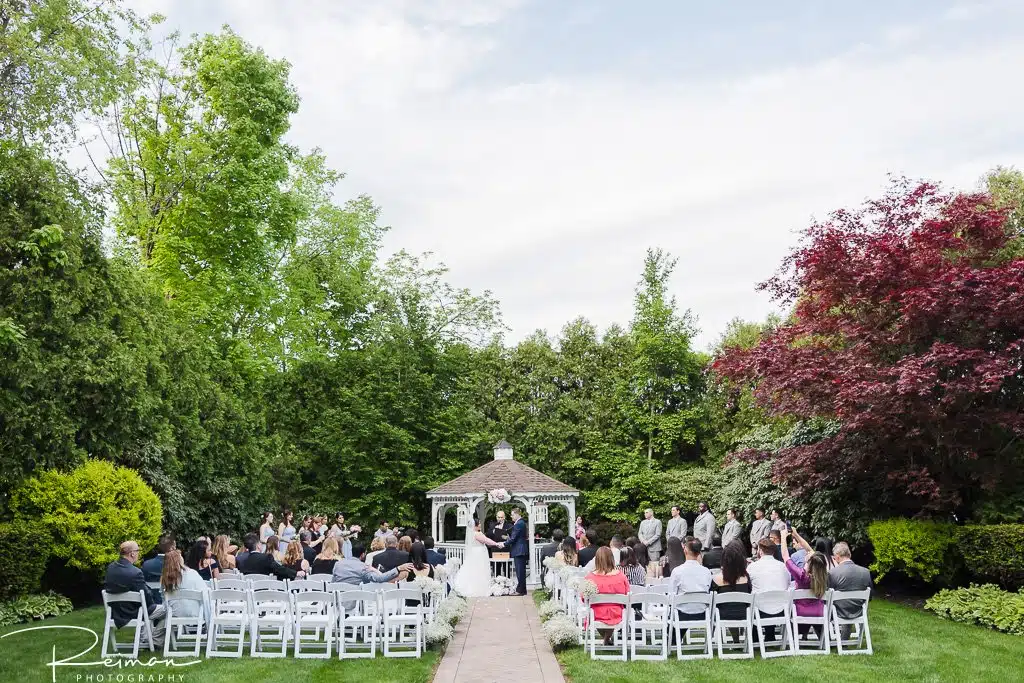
{"x":910,"y":645}
{"x":25,"y":657}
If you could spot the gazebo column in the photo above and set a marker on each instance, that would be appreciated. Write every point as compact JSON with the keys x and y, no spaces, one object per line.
{"x":534,"y":577}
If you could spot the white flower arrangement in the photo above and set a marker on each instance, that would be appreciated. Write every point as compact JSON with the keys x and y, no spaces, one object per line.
{"x":503,"y":585}
{"x":587,"y":589}
{"x":452,"y":609}
{"x":441,"y":572}
{"x":550,"y":609}
{"x":553,"y":563}
{"x":498,"y":496}
{"x":567,"y":572}
{"x":561,"y":632}
{"x":439,"y":631}
{"x":429,"y":585}
{"x":573,"y":584}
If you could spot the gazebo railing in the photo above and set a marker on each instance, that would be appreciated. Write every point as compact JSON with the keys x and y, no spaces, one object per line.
{"x":453,"y":550}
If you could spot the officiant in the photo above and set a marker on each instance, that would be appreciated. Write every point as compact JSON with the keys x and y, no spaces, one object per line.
{"x":499,"y":530}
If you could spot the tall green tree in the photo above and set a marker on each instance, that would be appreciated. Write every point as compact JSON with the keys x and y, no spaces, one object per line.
{"x":60,"y":59}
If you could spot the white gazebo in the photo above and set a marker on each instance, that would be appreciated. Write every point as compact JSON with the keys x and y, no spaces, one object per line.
{"x":532,"y":489}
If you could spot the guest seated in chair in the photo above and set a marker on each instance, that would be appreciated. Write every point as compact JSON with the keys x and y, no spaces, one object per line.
{"x":177,"y":577}
{"x":264,"y":563}
{"x":329,"y":555}
{"x":392,"y":555}
{"x":433,"y":557}
{"x":122,"y":577}
{"x":609,"y":581}
{"x":154,"y":566}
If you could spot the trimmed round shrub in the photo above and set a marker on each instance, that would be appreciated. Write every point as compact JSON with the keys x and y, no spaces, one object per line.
{"x":88,"y":512}
{"x":918,"y":549}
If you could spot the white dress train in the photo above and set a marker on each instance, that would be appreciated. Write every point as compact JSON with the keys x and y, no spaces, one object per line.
{"x":474,"y":577}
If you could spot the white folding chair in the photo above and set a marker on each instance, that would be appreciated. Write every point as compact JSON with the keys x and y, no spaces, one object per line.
{"x":184,"y":629}
{"x":860,"y":641}
{"x":302,"y":585}
{"x":358,"y":611}
{"x":230,"y":619}
{"x":141,"y":623}
{"x":769,"y":602}
{"x":819,"y":623}
{"x":652,"y":623}
{"x":402,"y":622}
{"x":619,"y":632}
{"x":234,"y":584}
{"x":269,"y":585}
{"x":685,"y":629}
{"x":326,"y":578}
{"x":744,"y":627}
{"x":271,"y":621}
{"x":155,"y":586}
{"x":258,"y":577}
{"x":313,"y":610}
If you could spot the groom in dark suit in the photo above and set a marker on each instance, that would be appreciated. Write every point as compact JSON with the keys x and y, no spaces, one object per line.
{"x":518,"y":546}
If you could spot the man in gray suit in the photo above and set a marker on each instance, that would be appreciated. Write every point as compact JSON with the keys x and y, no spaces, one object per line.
{"x":732,"y":530}
{"x":759,"y":529}
{"x":847,"y":576}
{"x":676,"y":525}
{"x":650,"y":534}
{"x":704,"y":526}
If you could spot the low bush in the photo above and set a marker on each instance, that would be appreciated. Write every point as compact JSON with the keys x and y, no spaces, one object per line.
{"x":23,"y":558}
{"x":987,"y":605}
{"x":918,"y":549}
{"x":994,"y":552}
{"x":88,"y":512}
{"x":31,"y":607}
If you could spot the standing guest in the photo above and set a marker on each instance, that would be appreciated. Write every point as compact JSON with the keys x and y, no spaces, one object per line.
{"x":153,"y":568}
{"x":759,"y":529}
{"x":308,"y":551}
{"x":122,"y":577}
{"x":392,"y":556}
{"x":266,"y":529}
{"x":201,"y":559}
{"x":778,"y":524}
{"x":324,"y":562}
{"x":176,"y":577}
{"x":224,"y":552}
{"x":376,"y":548}
{"x":712,"y":557}
{"x":251,"y":542}
{"x":609,"y":581}
{"x":286,"y":529}
{"x":295,"y":559}
{"x":650,"y":534}
{"x":306,"y":524}
{"x":847,"y":576}
{"x":814,"y":577}
{"x":676,"y":524}
{"x":733,"y":530}
{"x":587,"y":548}
{"x":704,"y":526}
{"x":691,"y":577}
{"x":383,"y":530}
{"x":343,"y":533}
{"x":635,"y":572}
{"x":733,"y":579}
{"x":580,"y":530}
{"x":433,"y":557}
{"x":768,"y":574}
{"x":674,"y":555}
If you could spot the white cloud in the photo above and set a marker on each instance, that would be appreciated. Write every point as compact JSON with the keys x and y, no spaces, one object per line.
{"x":549,"y":192}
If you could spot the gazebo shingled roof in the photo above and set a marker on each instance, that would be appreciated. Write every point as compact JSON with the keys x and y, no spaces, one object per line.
{"x":511,"y":475}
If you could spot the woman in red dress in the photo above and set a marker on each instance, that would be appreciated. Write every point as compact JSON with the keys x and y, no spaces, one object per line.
{"x":609,"y":581}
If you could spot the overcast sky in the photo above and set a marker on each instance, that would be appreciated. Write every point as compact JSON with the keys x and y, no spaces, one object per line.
{"x":540,"y":147}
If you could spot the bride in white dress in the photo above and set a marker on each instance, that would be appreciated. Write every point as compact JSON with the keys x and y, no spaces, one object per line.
{"x":474,"y":577}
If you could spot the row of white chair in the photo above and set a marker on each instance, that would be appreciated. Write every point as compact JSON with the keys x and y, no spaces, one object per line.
{"x":351,"y":618}
{"x":649,"y":617}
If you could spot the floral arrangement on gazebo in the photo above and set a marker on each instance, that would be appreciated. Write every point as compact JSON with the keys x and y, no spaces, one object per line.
{"x":498,"y":496}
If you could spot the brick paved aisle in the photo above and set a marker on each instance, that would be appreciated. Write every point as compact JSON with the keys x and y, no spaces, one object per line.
{"x":499,"y":640}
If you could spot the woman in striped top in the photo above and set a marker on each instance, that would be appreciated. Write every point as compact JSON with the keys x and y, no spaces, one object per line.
{"x":634,"y":571}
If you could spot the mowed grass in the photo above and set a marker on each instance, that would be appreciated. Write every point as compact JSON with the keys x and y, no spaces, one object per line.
{"x":25,"y":657}
{"x":910,"y":645}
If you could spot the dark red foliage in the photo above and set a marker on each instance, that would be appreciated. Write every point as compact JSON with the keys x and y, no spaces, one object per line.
{"x":908,"y":328}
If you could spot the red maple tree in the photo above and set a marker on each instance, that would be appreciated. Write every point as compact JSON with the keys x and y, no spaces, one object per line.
{"x":908,"y":329}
